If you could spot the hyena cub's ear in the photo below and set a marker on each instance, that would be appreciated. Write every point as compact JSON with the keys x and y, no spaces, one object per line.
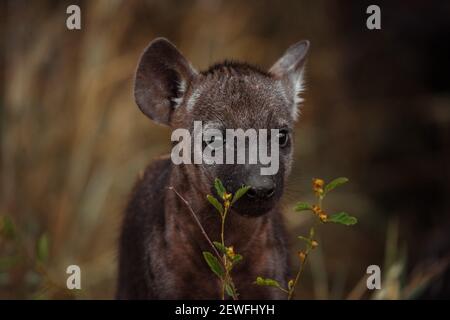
{"x":289,"y":69}
{"x":161,"y":79}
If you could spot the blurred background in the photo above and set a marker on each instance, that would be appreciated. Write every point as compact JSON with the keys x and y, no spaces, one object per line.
{"x":377,"y":111}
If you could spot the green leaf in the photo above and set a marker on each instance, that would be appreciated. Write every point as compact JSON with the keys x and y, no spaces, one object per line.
{"x":215,"y":203}
{"x":7,"y":263}
{"x":260,"y":281}
{"x":219,"y":187}
{"x":335,"y":183}
{"x":213,"y":263}
{"x":229,"y":290}
{"x":302,"y":206}
{"x":237,"y":258}
{"x":221,"y":247}
{"x":238,"y":194}
{"x":7,"y":227}
{"x":267,"y":282}
{"x":42,"y":248}
{"x":342,"y":218}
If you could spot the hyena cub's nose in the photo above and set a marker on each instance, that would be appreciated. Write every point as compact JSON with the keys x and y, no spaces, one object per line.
{"x":261,"y":189}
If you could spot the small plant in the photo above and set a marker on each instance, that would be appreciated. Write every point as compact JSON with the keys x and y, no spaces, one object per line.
{"x":20,"y":252}
{"x":222,"y":268}
{"x":224,"y":258}
{"x":320,"y":191}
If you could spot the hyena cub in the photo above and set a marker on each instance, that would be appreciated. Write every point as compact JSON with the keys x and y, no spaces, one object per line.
{"x":161,"y":245}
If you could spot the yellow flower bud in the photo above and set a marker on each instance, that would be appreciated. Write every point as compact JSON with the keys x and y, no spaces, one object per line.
{"x":226,"y":196}
{"x":318,"y":186}
{"x":320,"y":213}
{"x":302,"y":256}
{"x":314,"y":244}
{"x":290,"y":284}
{"x":316,"y":209}
{"x":318,"y":182}
{"x":230,"y":252}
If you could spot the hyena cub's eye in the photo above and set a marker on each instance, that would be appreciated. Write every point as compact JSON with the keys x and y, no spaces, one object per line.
{"x":215,"y":142}
{"x":283,"y":138}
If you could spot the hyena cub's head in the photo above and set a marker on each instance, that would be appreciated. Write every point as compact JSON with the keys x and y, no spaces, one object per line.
{"x":227,"y":96}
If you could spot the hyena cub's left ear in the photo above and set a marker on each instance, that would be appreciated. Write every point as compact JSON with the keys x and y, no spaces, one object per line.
{"x":289,"y":70}
{"x":162,"y":77}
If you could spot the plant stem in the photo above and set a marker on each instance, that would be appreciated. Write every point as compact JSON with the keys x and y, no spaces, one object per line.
{"x":227,"y":277}
{"x":222,"y":237}
{"x":222,"y":232}
{"x":223,"y":290}
{"x":198,"y":222}
{"x":302,"y":264}
{"x":283,"y":289}
{"x":297,"y":277}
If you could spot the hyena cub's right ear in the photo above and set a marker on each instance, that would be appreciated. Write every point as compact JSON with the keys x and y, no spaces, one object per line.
{"x":162,"y":76}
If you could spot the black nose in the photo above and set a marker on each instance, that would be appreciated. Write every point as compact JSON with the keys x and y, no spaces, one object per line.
{"x":262,"y":191}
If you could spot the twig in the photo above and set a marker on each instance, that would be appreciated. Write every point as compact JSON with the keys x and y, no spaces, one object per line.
{"x":197,"y":221}
{"x":297,"y":277}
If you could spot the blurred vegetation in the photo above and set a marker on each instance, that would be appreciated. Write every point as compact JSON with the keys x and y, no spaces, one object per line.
{"x":376,"y":110}
{"x":321,"y":190}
